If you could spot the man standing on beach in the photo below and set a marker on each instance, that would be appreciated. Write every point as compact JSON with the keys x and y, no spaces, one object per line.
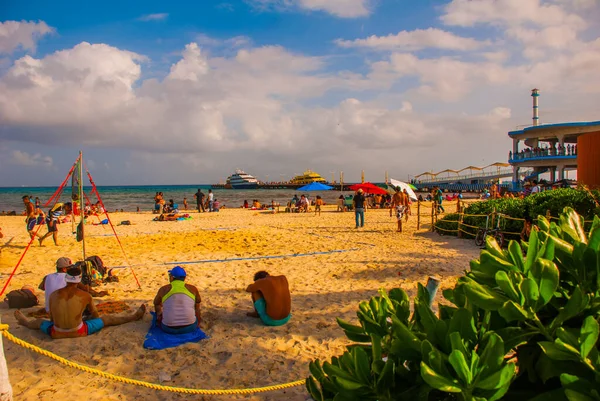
{"x":199,"y":200}
{"x":31,"y":219}
{"x":359,"y":208}
{"x":66,"y":310}
{"x":211,"y":200}
{"x":400,"y":205}
{"x":177,"y":304}
{"x":271,"y":298}
{"x":52,"y":220}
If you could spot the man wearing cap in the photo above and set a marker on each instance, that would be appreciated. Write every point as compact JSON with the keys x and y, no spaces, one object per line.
{"x":177,"y":304}
{"x":52,"y":220}
{"x":66,"y":310}
{"x":359,"y":208}
{"x":56,"y":281}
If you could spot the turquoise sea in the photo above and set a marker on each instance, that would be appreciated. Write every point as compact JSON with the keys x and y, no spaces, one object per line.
{"x":129,"y":198}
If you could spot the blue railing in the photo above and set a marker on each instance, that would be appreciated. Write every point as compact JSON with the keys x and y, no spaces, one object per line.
{"x":541,"y":155}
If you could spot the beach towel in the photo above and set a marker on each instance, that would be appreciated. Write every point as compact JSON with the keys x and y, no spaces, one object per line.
{"x":158,"y":339}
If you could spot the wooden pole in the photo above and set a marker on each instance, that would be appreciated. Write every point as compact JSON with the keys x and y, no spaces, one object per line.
{"x":6,"y":392}
{"x":81,"y":207}
{"x":460,"y":220}
{"x":432,"y":213}
{"x":418,"y":215}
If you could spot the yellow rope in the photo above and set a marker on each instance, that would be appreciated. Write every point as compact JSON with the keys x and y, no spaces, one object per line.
{"x":24,"y":344}
{"x":444,"y":229}
{"x":467,"y":225}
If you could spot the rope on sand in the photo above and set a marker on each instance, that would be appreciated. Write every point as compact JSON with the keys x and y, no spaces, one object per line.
{"x":294,"y":255}
{"x":121,"y":379}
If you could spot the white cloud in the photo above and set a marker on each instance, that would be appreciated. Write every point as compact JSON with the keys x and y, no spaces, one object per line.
{"x":154,"y":17}
{"x":23,"y":35}
{"x":415,"y":40}
{"x":508,"y":12}
{"x":338,"y":8}
{"x":25,"y":159}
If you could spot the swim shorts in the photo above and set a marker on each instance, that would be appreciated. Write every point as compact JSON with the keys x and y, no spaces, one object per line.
{"x":52,"y":226}
{"x":180,"y":330}
{"x":261,"y":308}
{"x":88,"y":327}
{"x":31,"y":222}
{"x":400,"y":212}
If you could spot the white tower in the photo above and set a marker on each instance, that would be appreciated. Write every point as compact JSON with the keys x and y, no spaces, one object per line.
{"x":535,"y":93}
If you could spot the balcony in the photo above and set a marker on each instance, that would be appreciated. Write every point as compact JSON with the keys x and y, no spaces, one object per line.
{"x":548,"y":154}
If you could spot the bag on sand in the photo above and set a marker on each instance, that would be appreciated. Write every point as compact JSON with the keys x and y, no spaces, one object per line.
{"x":21,"y":299}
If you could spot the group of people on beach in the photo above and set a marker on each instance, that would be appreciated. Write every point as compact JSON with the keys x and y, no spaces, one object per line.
{"x":35,"y":216}
{"x":72,"y":312}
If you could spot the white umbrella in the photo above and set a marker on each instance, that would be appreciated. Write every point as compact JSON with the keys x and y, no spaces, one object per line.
{"x":403,"y":186}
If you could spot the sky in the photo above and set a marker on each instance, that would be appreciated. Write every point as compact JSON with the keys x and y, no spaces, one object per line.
{"x":158,"y":92}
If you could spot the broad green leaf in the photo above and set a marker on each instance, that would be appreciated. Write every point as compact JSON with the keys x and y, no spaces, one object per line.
{"x":514,"y":336}
{"x":399,"y":295}
{"x":532,"y":251}
{"x":543,"y":224}
{"x":362,"y":366}
{"x":512,"y":311}
{"x":557,"y":353}
{"x":459,"y":363}
{"x":316,"y":370}
{"x":547,"y":281}
{"x":492,"y":246}
{"x":575,"y":305}
{"x":493,"y":354}
{"x":482,"y":296}
{"x":457,"y":344}
{"x":530,"y":290}
{"x":347,"y":385}
{"x":359,"y":338}
{"x":335,"y":371}
{"x":516,"y":254}
{"x":313,"y":389}
{"x":498,"y":379}
{"x":462,"y":321}
{"x":594,"y":240}
{"x":568,"y":336}
{"x":433,"y":358}
{"x":375,"y":347}
{"x":490,"y":261}
{"x":549,"y":251}
{"x":405,"y":335}
{"x":589,"y":336}
{"x":437,"y":381}
{"x":350,"y":327}
{"x":507,"y":286}
{"x":386,"y":378}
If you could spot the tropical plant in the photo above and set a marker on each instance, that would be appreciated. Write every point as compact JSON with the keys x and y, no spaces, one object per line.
{"x":514,"y":327}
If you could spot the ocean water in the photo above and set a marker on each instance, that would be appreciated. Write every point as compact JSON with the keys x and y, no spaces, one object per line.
{"x":129,"y":198}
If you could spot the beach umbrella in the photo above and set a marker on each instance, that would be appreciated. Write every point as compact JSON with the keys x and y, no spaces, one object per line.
{"x":403,"y":186}
{"x":315,"y":186}
{"x":368,"y":188}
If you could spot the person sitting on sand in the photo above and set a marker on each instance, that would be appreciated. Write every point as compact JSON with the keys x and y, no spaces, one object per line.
{"x":177,"y":304}
{"x":271,"y":298}
{"x":66,"y":309}
{"x":56,"y":281}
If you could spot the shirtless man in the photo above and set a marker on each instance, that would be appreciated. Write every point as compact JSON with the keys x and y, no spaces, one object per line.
{"x":31,"y":219}
{"x":66,"y":309}
{"x":177,"y":304}
{"x":55,"y":281}
{"x":271,"y":298}
{"x":52,"y":220}
{"x":399,"y":203}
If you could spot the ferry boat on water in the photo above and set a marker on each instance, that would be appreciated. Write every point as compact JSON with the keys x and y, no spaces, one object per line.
{"x":308,"y":177}
{"x":242,"y":180}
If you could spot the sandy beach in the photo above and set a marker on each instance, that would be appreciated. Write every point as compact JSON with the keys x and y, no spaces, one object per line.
{"x":240,"y":352}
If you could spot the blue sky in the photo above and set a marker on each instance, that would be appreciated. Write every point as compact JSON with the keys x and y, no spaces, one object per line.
{"x":184,"y":93}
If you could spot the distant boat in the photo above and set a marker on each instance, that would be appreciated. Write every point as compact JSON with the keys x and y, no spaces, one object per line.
{"x":308,"y":177}
{"x":242,"y":180}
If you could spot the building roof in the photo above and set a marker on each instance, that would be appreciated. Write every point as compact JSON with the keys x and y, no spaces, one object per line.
{"x":549,"y":128}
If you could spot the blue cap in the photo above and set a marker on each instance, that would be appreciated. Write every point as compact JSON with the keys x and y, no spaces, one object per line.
{"x":177,"y":272}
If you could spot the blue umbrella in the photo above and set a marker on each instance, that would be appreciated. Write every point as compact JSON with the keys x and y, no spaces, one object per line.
{"x":315,"y":186}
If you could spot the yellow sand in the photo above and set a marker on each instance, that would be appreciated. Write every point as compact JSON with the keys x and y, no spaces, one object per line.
{"x":240,"y":352}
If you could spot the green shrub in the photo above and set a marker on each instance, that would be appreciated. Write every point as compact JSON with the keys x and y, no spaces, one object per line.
{"x":582,"y":201}
{"x":514,"y":327}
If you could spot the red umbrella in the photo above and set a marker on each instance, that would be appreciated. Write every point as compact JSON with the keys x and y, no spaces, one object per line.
{"x":368,"y":188}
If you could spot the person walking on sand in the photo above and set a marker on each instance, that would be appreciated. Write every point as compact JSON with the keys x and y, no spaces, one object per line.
{"x":185,"y":205}
{"x":31,"y":217}
{"x":407,"y":204}
{"x":52,"y":220}
{"x":439,"y":198}
{"x":271,"y":298}
{"x":66,"y":310}
{"x":399,"y":204}
{"x":199,"y":200}
{"x":358,"y":201}
{"x":318,"y":204}
{"x":177,"y":304}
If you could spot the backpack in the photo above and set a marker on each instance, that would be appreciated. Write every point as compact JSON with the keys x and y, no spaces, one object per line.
{"x":21,"y":299}
{"x":97,"y":264}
